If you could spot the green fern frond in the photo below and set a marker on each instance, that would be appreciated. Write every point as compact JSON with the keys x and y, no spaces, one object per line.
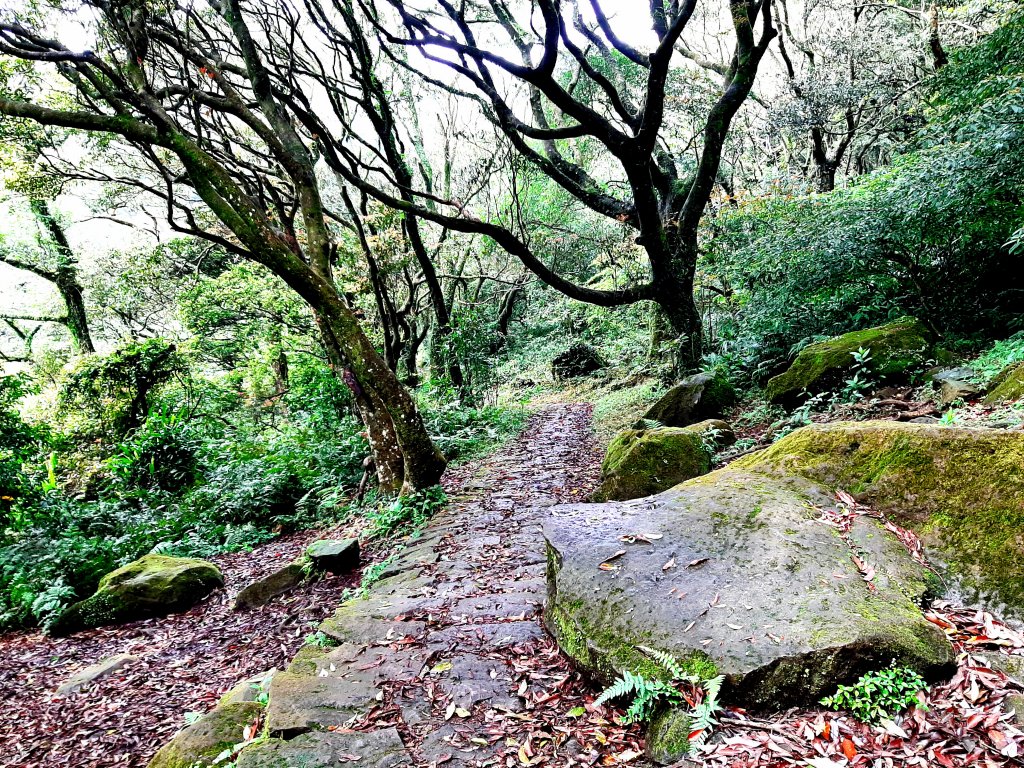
{"x":627,"y":683}
{"x":670,"y":664}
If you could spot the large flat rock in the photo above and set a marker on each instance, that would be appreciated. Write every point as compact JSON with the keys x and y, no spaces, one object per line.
{"x":745,"y":580}
{"x":961,"y":489}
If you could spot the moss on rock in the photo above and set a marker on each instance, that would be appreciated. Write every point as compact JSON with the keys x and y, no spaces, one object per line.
{"x":895,"y":347}
{"x":201,"y":743}
{"x":668,"y":736}
{"x":642,"y":462}
{"x":701,"y":396}
{"x":153,"y":585}
{"x":1007,"y":386}
{"x":961,"y":489}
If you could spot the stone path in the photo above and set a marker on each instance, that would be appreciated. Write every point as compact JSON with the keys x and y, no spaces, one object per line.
{"x":430,"y":667}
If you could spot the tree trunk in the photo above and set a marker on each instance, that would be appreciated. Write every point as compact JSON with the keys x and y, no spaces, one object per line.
{"x":679,"y":320}
{"x":405,"y":456}
{"x":65,"y":278}
{"x":826,"y":176}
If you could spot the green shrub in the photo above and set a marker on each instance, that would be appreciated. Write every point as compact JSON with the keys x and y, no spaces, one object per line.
{"x":878,"y":695}
{"x":406,"y":513}
{"x":161,"y":454}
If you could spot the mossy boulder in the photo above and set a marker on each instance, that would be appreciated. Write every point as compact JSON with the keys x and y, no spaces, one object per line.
{"x":1007,"y":386}
{"x":219,"y":730}
{"x":153,"y":585}
{"x":696,"y":398}
{"x":960,"y":489}
{"x":263,"y":590}
{"x":578,"y":360}
{"x":736,"y":575}
{"x":642,"y":462}
{"x":820,"y":367}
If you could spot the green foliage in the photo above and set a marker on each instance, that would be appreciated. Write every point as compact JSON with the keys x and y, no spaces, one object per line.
{"x":18,"y":442}
{"x":462,"y":433}
{"x":160,"y":455}
{"x":926,"y":236}
{"x":878,"y":695}
{"x":114,"y":390}
{"x":406,"y":513}
{"x":1000,"y":355}
{"x":646,"y":695}
{"x":650,"y":694}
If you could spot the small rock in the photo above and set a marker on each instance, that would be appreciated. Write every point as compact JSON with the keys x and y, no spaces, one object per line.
{"x":951,"y":390}
{"x":334,"y":555}
{"x":89,"y":675}
{"x":372,"y":749}
{"x":668,"y":736}
{"x":701,"y":396}
{"x":940,"y":375}
{"x":1014,"y":705}
{"x":925,"y":420}
{"x":579,"y":360}
{"x":266,"y":589}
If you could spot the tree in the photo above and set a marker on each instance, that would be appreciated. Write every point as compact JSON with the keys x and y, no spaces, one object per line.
{"x":621,"y":113}
{"x":188,"y":92}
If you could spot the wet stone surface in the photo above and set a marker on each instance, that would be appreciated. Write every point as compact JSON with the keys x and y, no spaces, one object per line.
{"x":433,"y":653}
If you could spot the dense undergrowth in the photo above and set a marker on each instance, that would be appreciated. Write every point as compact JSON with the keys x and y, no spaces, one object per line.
{"x":206,"y":468}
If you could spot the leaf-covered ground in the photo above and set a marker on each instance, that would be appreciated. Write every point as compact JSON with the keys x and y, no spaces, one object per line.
{"x":186,"y":662}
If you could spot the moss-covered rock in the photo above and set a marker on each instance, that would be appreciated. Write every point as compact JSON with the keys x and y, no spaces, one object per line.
{"x":668,"y":736}
{"x":961,"y":489}
{"x":744,"y":580}
{"x":701,"y":396}
{"x":219,"y":730}
{"x":578,"y":360}
{"x":153,"y":585}
{"x":642,"y":462}
{"x":1007,"y":386}
{"x":262,"y":591}
{"x":895,"y":347}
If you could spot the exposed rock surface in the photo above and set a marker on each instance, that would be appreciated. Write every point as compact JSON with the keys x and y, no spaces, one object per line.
{"x":578,"y":360}
{"x":642,"y":462}
{"x":374,"y":749}
{"x":1007,"y":386}
{"x":895,"y":347}
{"x":699,"y":397}
{"x":153,"y":585}
{"x":960,"y":489}
{"x":266,"y":589}
{"x":740,"y":578}
{"x":334,"y":555}
{"x":97,"y":671}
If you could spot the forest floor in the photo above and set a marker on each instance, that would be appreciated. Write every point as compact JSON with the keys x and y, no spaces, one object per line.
{"x":460,"y":668}
{"x":186,"y":662}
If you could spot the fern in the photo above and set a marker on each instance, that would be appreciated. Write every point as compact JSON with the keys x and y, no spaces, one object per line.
{"x":648,"y":695}
{"x":670,"y":663}
{"x":704,"y":714}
